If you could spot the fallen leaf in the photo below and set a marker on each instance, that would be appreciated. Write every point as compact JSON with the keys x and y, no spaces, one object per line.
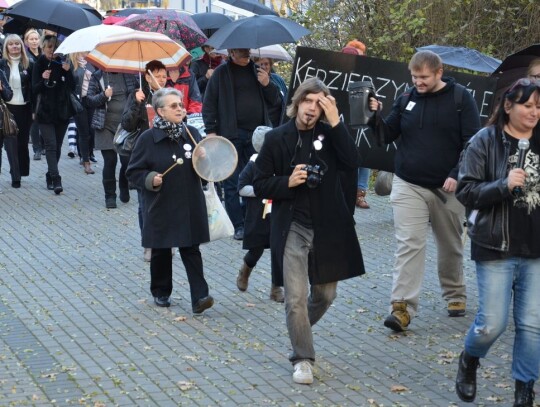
{"x":184,"y":386}
{"x":180,"y":319}
{"x":398,"y":388}
{"x":250,"y":305}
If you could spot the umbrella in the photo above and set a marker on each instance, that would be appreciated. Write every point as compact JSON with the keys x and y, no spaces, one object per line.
{"x":110,"y":20}
{"x":129,"y":53}
{"x":87,"y":38}
{"x":512,"y":68}
{"x":276,"y":52}
{"x":174,"y":24}
{"x":58,"y":15}
{"x":4,"y":4}
{"x":210,"y":22}
{"x":462,"y":57}
{"x":257,"y":32}
{"x":253,"y":7}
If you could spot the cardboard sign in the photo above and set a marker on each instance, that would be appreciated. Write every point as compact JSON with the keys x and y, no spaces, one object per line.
{"x":390,"y":79}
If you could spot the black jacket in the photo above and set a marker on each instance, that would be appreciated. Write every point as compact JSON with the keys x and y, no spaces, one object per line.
{"x":6,"y":92}
{"x":219,"y":113}
{"x":337,"y":254}
{"x":52,"y":96}
{"x":433,"y":133}
{"x":483,"y":188}
{"x":26,"y":78}
{"x":174,"y":213}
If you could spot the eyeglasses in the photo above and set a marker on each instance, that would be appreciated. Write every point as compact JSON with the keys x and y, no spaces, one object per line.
{"x":537,"y":76}
{"x":523,"y":83}
{"x":175,"y":105}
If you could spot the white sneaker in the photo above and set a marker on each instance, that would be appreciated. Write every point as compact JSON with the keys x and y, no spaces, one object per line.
{"x":303,"y":373}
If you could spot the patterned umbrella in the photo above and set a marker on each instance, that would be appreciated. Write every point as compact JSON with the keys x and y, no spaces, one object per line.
{"x":129,"y":53}
{"x":174,"y":24}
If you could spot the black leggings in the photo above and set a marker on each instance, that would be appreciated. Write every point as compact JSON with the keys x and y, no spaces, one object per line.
{"x":110,"y":159}
{"x":252,"y":256}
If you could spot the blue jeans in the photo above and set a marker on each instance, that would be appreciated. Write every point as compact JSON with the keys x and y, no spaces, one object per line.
{"x":302,"y":312}
{"x":363,"y":178}
{"x":497,"y":280}
{"x":245,"y":150}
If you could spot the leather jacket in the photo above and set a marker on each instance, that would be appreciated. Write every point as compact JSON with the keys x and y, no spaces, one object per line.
{"x":483,"y":188}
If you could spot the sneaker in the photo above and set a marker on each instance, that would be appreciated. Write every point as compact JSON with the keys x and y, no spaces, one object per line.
{"x":303,"y":373}
{"x":37,"y":155}
{"x":239,"y":233}
{"x":456,"y":309}
{"x":399,"y":319}
{"x":147,"y":255}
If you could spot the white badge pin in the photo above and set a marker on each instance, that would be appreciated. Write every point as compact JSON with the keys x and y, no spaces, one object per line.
{"x":187,"y":154}
{"x":187,"y":147}
{"x":317,"y":144}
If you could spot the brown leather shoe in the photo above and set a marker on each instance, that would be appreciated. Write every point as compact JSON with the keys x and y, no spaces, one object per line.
{"x":276,"y":294}
{"x":87,"y":168}
{"x":361,"y":199}
{"x":243,"y":277}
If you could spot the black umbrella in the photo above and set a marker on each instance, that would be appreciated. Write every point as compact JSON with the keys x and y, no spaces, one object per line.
{"x":513,"y":67}
{"x":210,"y":21}
{"x":58,"y":15}
{"x":257,"y":32}
{"x":252,"y":6}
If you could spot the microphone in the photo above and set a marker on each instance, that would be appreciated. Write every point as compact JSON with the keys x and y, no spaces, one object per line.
{"x":523,"y":147}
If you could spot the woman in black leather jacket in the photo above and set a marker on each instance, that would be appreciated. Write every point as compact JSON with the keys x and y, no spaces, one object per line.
{"x":499,"y":184}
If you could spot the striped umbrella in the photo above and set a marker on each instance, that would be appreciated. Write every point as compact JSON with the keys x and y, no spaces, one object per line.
{"x":129,"y":53}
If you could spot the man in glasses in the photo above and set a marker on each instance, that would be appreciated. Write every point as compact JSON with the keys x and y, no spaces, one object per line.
{"x":236,"y":102}
{"x":433,"y":121}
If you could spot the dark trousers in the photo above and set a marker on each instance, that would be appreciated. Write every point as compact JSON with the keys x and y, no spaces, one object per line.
{"x":161,"y":283}
{"x":253,"y":255}
{"x":23,"y":117}
{"x":245,"y":150}
{"x":82,"y":120}
{"x":10,"y":145}
{"x":53,"y":135}
{"x":110,"y":159}
{"x":37,"y":140}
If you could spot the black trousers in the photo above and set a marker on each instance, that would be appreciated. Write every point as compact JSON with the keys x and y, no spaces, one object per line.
{"x":23,"y":117}
{"x":161,"y":283}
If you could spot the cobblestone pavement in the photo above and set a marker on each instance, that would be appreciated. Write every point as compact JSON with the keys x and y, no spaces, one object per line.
{"x":78,"y":325}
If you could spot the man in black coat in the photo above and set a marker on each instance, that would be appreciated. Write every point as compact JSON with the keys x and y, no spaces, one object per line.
{"x":313,"y":239}
{"x":236,"y":102}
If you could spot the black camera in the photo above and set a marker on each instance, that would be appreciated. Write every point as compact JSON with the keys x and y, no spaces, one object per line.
{"x":314,"y":175}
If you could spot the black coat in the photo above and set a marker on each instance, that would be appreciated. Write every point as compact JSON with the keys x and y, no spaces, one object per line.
{"x":337,"y":254}
{"x":52,"y":96}
{"x":26,"y":78}
{"x":256,"y":229}
{"x":174,"y":213}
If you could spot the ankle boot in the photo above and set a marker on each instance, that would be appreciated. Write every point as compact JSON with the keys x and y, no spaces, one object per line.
{"x":109,"y":186}
{"x":124,"y":189}
{"x":88,"y":168}
{"x":48,"y":180}
{"x":276,"y":293}
{"x":524,"y":394}
{"x":466,"y":377}
{"x":243,"y":277}
{"x":57,"y":184}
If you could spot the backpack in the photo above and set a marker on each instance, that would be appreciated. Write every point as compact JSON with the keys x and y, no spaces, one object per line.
{"x":458,"y":98}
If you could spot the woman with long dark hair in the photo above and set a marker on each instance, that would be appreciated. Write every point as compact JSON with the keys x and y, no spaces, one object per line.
{"x":499,"y":184}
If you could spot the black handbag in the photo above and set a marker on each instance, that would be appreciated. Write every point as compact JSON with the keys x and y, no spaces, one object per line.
{"x":9,"y":125}
{"x":124,"y":140}
{"x":76,"y":104}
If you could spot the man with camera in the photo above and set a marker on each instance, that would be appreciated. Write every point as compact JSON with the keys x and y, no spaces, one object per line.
{"x":313,"y":239}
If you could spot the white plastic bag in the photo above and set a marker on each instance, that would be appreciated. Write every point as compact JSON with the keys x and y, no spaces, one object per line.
{"x":219,"y":224}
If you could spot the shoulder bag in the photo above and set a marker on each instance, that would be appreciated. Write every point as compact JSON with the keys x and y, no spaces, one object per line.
{"x":124,"y":141}
{"x":9,"y":125}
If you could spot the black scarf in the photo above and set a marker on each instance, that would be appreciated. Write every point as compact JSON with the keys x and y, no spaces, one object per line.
{"x":173,"y":130}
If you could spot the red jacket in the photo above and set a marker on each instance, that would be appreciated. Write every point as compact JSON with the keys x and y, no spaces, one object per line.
{"x":187,"y":84}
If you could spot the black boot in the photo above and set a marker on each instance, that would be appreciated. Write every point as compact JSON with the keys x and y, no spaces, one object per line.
{"x":48,"y":179}
{"x":57,"y":184}
{"x":466,"y":377}
{"x":109,"y":185}
{"x":124,"y":189}
{"x":524,"y":394}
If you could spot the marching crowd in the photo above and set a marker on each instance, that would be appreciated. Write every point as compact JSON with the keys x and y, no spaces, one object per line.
{"x":294,"y":157}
